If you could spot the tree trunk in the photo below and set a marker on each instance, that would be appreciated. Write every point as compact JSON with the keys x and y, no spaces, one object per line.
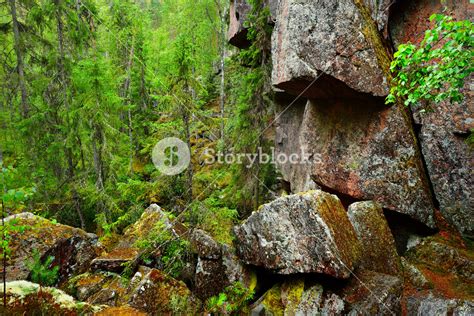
{"x":19,"y":60}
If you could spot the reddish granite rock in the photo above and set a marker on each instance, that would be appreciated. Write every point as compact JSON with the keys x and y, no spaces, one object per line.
{"x":300,"y":233}
{"x":327,"y":36}
{"x":362,"y":150}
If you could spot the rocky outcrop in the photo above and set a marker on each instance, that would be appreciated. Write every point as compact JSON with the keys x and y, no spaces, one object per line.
{"x":443,"y":132}
{"x":159,"y":293}
{"x":204,"y":246}
{"x":72,"y":249}
{"x":361,"y":150}
{"x":300,"y":233}
{"x":379,"y":252}
{"x":315,"y":37}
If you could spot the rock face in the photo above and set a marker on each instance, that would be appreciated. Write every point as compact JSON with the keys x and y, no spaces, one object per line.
{"x":360,"y":149}
{"x":204,"y":245}
{"x":326,"y":36}
{"x":443,"y":132}
{"x":300,"y":233}
{"x":73,"y":249}
{"x":379,"y":252}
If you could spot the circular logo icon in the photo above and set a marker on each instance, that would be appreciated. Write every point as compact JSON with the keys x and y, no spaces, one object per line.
{"x":171,"y":156}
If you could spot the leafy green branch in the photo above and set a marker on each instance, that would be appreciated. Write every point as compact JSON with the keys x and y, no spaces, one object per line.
{"x":434,"y":71}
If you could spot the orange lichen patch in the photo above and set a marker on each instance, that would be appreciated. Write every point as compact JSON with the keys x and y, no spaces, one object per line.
{"x":447,"y":231}
{"x":442,"y":282}
{"x":120,"y":311}
{"x":91,"y":279}
{"x":121,"y":254}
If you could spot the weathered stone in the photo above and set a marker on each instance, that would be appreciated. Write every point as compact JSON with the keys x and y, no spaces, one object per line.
{"x":85,"y":285}
{"x":361,"y":150}
{"x":300,"y":233}
{"x":204,"y":245}
{"x":73,"y":249}
{"x":114,"y":261}
{"x":438,"y":306}
{"x":443,"y":132}
{"x":26,"y":298}
{"x":327,"y":36}
{"x":379,"y":252}
{"x":214,"y":275}
{"x":373,"y":293}
{"x":158,"y":293}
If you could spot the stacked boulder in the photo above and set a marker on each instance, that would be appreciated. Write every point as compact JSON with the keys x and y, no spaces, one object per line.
{"x":312,"y":234}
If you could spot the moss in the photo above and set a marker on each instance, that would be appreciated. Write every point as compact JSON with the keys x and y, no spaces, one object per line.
{"x":293,"y":292}
{"x":272,"y":301}
{"x":24,"y":297}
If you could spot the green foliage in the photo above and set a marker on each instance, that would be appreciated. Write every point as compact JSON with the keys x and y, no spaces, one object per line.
{"x":234,"y":298}
{"x":12,"y":198}
{"x":434,"y":71}
{"x":42,"y":272}
{"x":172,"y":250}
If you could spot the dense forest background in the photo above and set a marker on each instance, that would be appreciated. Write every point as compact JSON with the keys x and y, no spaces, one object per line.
{"x":88,"y":88}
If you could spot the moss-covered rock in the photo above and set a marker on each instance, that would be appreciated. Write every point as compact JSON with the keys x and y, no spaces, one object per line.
{"x":149,"y":290}
{"x":446,"y":266}
{"x":295,"y":297}
{"x":27,"y":298}
{"x":301,"y":233}
{"x":379,"y":252}
{"x":73,"y":249}
{"x":158,"y":293}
